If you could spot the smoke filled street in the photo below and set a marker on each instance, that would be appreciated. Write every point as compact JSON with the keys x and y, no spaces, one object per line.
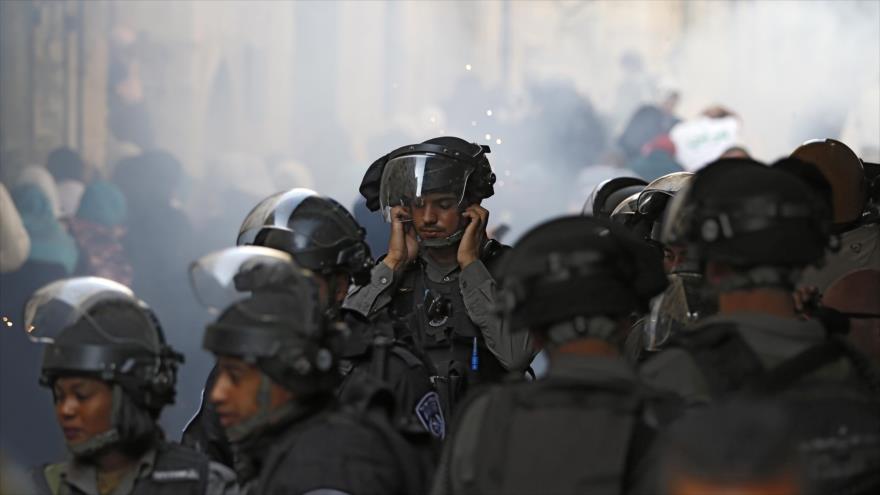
{"x":530,"y":247}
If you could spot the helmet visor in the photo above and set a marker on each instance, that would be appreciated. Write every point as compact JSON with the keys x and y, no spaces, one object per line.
{"x":56,"y":306}
{"x":406,"y":181}
{"x":275,"y":213}
{"x":226,"y":277}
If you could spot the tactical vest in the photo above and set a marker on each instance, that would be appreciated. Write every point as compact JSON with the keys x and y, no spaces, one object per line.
{"x":837,"y":423}
{"x":364,"y":415}
{"x":454,"y":344}
{"x":177,"y":471}
{"x":380,"y":349}
{"x":541,"y":437}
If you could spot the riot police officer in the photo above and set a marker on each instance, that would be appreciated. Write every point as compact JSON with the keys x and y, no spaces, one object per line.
{"x":111,"y":374}
{"x":274,"y":390}
{"x":572,"y":282}
{"x":754,"y":229}
{"x":683,"y":301}
{"x":322,"y":236}
{"x":437,"y":269}
{"x":610,"y":193}
{"x":850,"y":277}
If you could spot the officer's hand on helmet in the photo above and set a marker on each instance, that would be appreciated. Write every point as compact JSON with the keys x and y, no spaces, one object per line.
{"x":474,"y":235}
{"x":403,"y":246}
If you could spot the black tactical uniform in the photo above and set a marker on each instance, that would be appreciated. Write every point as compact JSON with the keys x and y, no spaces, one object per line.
{"x":98,"y":328}
{"x":322,"y":236}
{"x":766,"y":224}
{"x":313,"y":442}
{"x":584,"y":426}
{"x":448,"y":309}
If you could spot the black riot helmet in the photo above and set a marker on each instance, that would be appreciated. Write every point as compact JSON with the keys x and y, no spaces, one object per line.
{"x":440,"y":165}
{"x":319,"y":233}
{"x":567,"y":272}
{"x":654,"y":199}
{"x":269,"y":315}
{"x":98,"y":328}
{"x":747,"y":215}
{"x":610,"y":193}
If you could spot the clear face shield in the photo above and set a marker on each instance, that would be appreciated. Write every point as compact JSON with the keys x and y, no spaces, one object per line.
{"x":273,"y":215}
{"x":686,"y":299}
{"x":408,"y":180}
{"x":225,"y":278}
{"x":57,"y":306}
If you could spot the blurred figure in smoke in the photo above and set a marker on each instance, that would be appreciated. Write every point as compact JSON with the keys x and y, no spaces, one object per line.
{"x":68,"y":170}
{"x":52,"y":255}
{"x":636,"y":86}
{"x":128,"y":119}
{"x":704,"y":139}
{"x":14,"y":241}
{"x":99,"y":228}
{"x":160,"y":243}
{"x":740,"y":447}
{"x":657,"y":159}
{"x":646,"y":124}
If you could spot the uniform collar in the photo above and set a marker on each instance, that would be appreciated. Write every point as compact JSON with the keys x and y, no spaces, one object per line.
{"x":590,"y":368}
{"x":437,"y":272}
{"x":84,"y":476}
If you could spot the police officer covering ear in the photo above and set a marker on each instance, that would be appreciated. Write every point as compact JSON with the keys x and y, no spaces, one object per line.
{"x":274,"y":390}
{"x":572,"y":283}
{"x":754,"y":229}
{"x":111,"y":374}
{"x":437,"y":270}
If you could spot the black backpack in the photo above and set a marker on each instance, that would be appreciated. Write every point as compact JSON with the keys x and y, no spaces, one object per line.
{"x":837,"y":422}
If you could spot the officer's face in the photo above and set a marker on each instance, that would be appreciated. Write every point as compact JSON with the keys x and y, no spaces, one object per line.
{"x":83,"y":407}
{"x":437,"y":216}
{"x":236,"y":391}
{"x":673,"y":256}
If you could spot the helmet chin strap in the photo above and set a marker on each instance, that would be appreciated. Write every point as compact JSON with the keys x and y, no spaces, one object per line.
{"x":444,"y":242}
{"x":103,"y":440}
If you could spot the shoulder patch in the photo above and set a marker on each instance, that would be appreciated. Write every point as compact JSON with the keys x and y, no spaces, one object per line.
{"x":175,"y":475}
{"x":430,"y":414}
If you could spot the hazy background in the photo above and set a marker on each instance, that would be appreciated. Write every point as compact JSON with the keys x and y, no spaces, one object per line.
{"x":257,"y":97}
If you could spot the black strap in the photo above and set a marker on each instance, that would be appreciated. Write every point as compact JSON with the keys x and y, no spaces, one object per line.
{"x":786,"y":374}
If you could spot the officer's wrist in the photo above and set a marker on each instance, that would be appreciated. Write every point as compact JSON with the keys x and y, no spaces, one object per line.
{"x":391,"y":263}
{"x":465,"y":261}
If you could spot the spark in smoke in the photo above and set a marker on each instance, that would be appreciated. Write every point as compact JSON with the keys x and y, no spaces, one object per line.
{"x":488,"y":137}
{"x":498,"y":141}
{"x":488,"y":113}
{"x":467,"y":67}
{"x":433,"y":120}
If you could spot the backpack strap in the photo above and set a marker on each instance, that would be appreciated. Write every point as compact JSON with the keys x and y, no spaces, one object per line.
{"x":722,"y":355}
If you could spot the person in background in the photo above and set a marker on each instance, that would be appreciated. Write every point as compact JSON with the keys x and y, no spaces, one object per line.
{"x":15,"y":244}
{"x":99,"y":227}
{"x":68,"y":170}
{"x":38,"y":176}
